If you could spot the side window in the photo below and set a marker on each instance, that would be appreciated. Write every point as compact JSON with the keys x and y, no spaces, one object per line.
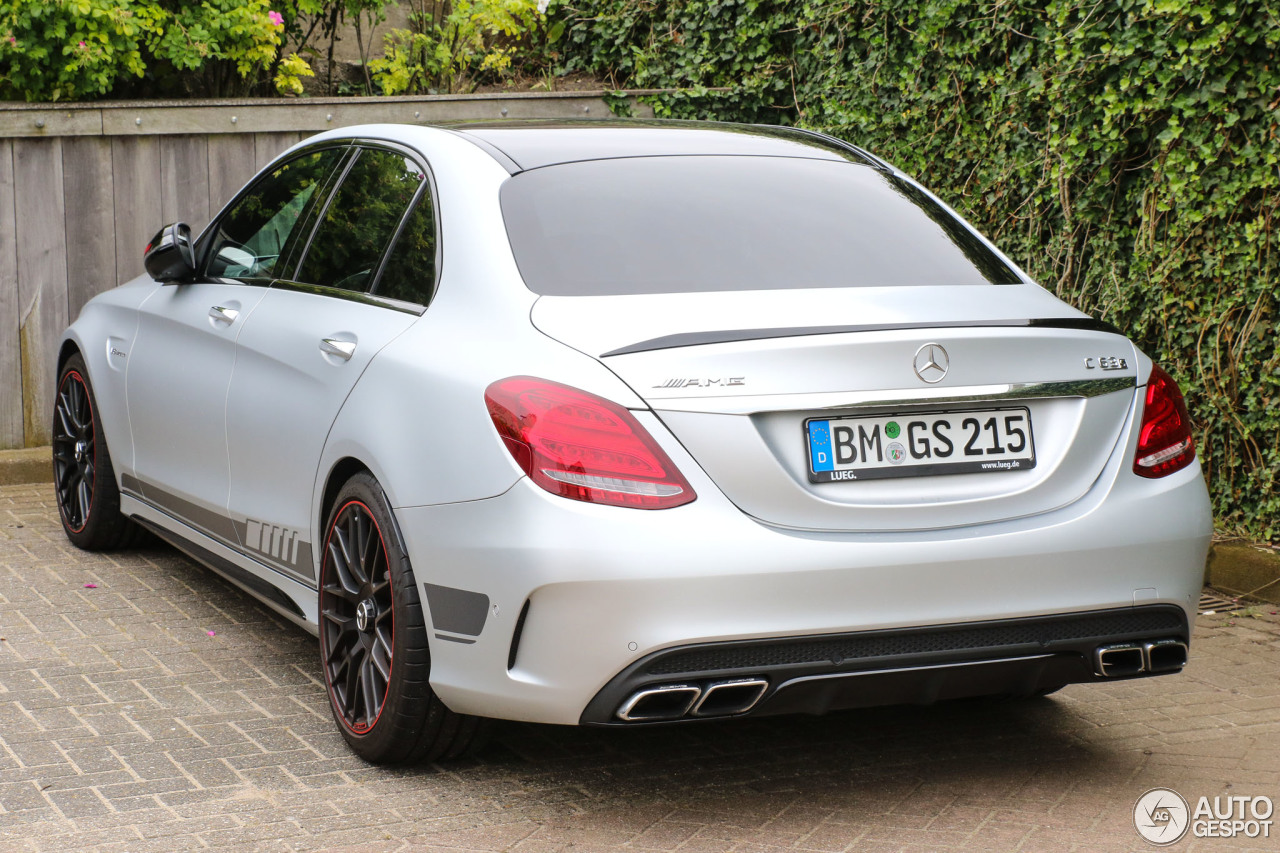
{"x":410,"y":271}
{"x":361,"y":220}
{"x":259,"y":231}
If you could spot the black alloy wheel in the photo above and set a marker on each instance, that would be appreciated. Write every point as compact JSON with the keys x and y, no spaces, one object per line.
{"x":74,"y":451}
{"x":83,"y":476}
{"x":373,"y":639}
{"x":358,"y":617}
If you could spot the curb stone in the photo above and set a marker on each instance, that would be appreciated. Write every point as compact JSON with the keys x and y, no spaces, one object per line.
{"x":32,"y":465}
{"x":1244,"y":569}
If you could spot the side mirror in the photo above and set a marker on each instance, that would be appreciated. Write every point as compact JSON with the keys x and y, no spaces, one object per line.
{"x":169,"y":256}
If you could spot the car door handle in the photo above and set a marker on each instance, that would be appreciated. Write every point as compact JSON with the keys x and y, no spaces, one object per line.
{"x":342,"y":349}
{"x":224,"y":315}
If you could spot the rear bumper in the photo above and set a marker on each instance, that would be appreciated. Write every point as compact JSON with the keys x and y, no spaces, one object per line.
{"x":814,"y":675}
{"x":607,"y":587}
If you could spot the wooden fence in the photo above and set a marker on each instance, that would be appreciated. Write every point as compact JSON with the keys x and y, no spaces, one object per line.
{"x":84,"y":186}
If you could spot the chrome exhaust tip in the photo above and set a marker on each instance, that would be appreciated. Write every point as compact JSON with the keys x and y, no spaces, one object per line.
{"x":654,"y":704}
{"x":727,"y":698}
{"x":1119,"y":659}
{"x":1165,"y":655}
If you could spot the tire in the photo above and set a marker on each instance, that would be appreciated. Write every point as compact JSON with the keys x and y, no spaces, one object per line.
{"x":373,"y":639}
{"x":83,"y":476}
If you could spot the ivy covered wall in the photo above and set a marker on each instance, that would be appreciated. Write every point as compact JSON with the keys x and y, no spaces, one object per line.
{"x":1126,"y":154}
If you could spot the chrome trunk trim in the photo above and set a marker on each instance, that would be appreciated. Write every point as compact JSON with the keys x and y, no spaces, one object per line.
{"x":751,"y":405}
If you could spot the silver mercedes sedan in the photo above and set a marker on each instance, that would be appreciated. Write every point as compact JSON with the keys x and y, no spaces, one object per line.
{"x":617,"y":424}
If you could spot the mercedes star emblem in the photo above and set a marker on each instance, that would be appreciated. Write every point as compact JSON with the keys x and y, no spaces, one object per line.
{"x":932,"y":363}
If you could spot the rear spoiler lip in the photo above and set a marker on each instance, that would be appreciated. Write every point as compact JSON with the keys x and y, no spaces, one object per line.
{"x":693,"y":339}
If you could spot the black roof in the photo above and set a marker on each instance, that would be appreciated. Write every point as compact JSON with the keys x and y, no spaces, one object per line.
{"x":534,"y":144}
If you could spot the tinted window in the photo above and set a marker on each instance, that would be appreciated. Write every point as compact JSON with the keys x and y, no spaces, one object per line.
{"x":410,"y":271}
{"x":263,"y":225}
{"x":687,"y":224}
{"x":361,"y":220}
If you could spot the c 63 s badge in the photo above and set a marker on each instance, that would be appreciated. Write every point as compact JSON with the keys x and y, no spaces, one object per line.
{"x":1106,"y":362}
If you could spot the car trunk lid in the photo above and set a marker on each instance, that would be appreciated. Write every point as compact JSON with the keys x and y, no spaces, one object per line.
{"x":744,"y":379}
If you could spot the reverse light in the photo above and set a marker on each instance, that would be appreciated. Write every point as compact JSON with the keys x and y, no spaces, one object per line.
{"x":583,"y":447}
{"x":1164,"y":440}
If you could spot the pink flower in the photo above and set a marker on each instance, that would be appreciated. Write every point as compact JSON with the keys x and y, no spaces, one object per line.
{"x":212,"y":633}
{"x":82,"y":45}
{"x":276,"y":18}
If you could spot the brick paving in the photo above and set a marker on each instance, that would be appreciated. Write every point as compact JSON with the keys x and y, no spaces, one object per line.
{"x":162,"y":710}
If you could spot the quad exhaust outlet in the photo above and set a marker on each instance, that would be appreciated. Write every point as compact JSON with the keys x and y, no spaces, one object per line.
{"x":675,"y":701}
{"x":1122,"y":659}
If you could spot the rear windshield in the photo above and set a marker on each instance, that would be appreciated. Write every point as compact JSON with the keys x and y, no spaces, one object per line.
{"x":697,"y":224}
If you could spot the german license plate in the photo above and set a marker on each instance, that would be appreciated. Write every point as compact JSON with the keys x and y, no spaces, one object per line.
{"x":917,"y":445}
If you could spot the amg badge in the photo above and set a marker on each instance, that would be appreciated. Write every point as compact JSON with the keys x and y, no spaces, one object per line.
{"x":703,"y":383}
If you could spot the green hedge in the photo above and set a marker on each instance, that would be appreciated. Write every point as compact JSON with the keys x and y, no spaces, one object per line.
{"x":68,"y":50}
{"x":1126,"y":154}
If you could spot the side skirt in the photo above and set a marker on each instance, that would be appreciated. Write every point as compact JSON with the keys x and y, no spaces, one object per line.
{"x":292,"y":600}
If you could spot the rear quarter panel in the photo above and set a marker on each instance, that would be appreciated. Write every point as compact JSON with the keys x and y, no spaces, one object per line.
{"x":417,"y":417}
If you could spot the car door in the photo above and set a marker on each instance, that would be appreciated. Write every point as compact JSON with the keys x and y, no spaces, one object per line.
{"x":312,"y":337}
{"x":181,"y":362}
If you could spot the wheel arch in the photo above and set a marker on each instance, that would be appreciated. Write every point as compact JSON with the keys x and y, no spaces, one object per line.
{"x":69,"y":347}
{"x":341,"y":471}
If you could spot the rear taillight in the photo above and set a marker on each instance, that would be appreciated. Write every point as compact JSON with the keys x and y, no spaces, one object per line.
{"x":1164,"y":442}
{"x":580,"y":446}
